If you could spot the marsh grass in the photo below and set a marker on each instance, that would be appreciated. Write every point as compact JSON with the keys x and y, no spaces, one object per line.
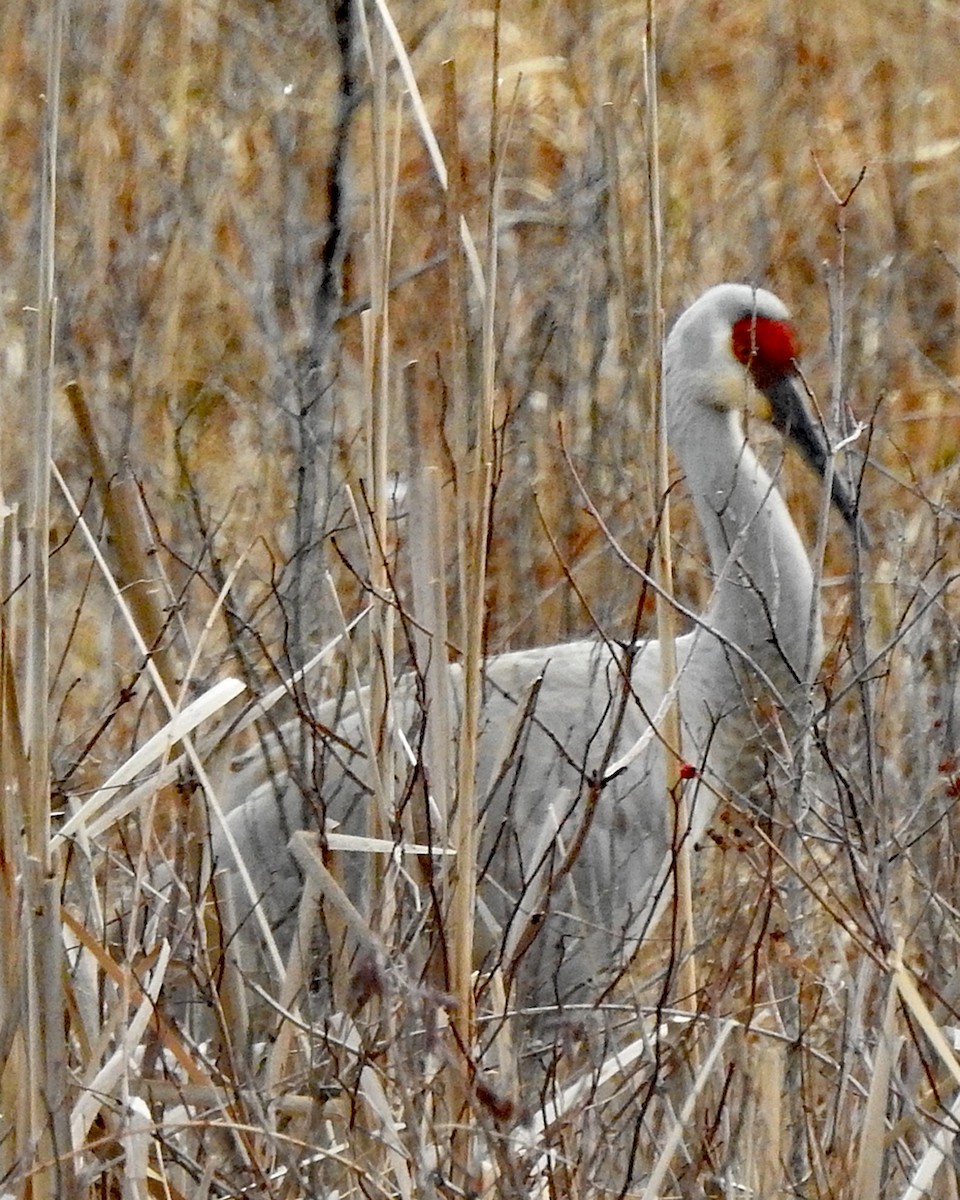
{"x":345,"y":351}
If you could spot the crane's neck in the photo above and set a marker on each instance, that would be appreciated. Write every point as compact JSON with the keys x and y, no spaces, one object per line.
{"x":763,"y":583}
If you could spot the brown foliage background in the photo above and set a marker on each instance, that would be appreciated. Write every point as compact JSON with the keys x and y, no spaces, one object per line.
{"x":198,"y":212}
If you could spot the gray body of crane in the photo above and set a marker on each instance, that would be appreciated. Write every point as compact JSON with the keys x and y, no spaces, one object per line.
{"x":555,"y":719}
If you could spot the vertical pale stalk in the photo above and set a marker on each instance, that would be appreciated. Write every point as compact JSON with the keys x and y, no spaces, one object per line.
{"x":470,"y":569}
{"x":37,"y":823}
{"x":377,"y":379}
{"x":47,"y":1127}
{"x":465,"y":436}
{"x":456,"y":363}
{"x":873,"y":1133}
{"x":14,"y":782}
{"x":428,"y":586}
{"x":476,"y":503}
{"x":679,"y":817}
{"x":766,"y":1069}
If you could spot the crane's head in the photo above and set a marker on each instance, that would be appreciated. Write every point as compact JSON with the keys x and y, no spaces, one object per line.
{"x":735,"y":350}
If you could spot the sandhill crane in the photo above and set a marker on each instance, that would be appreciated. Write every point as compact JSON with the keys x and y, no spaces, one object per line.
{"x":556,"y":717}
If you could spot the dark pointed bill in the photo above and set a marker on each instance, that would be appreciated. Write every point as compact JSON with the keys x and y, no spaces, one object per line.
{"x":791,"y":417}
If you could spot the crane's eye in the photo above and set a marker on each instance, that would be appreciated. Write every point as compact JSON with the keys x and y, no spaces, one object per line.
{"x":767,"y":348}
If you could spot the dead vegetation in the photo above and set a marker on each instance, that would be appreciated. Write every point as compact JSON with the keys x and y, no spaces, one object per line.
{"x":303,"y":304}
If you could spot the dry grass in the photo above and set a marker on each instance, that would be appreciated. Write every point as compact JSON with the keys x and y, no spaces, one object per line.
{"x":245,"y":267}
